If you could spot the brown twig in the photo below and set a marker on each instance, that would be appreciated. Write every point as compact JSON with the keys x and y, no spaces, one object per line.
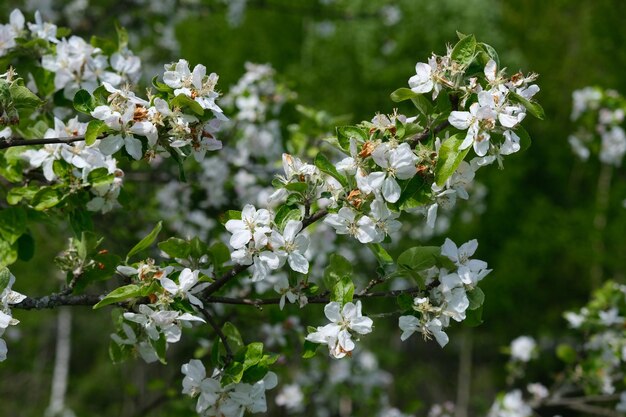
{"x":13,"y":142}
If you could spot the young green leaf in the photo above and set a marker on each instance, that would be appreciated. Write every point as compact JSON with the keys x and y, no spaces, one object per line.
{"x":450,"y":157}
{"x":146,"y":241}
{"x":119,"y":294}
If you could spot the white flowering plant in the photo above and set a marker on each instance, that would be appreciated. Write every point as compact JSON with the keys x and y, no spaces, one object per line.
{"x":588,"y":376}
{"x":75,"y":115}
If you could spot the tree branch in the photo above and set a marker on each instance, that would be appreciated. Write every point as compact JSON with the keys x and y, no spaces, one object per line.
{"x":426,"y":133}
{"x":320,"y":299}
{"x":13,"y":142}
{"x":211,"y":320}
{"x":56,"y":300}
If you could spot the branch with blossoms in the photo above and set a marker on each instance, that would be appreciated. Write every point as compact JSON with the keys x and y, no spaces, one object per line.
{"x":389,"y":167}
{"x":589,"y":375}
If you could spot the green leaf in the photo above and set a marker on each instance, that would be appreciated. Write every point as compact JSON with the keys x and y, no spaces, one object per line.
{"x":198,"y":248}
{"x":25,"y":247}
{"x":87,"y":244}
{"x":252,"y":354}
{"x":23,"y":98}
{"x":219,"y":254}
{"x":230,"y":215}
{"x":99,"y":177}
{"x":533,"y":108}
{"x":338,"y":267}
{"x":344,"y":133}
{"x":232,"y":373}
{"x":286,"y":213}
{"x":382,"y":256}
{"x":473,"y":318}
{"x":84,"y":102}
{"x":254,"y":373}
{"x":107,"y":45}
{"x":175,"y":247}
{"x":233,"y":337}
{"x":12,"y":223}
{"x":15,"y":195}
{"x":463,"y":51}
{"x":566,"y":353}
{"x":11,"y":169}
{"x":411,"y":187}
{"x":5,"y":277}
{"x":405,"y":301}
{"x":95,"y":128}
{"x":8,"y":253}
{"x":343,"y":291}
{"x":184,"y":101}
{"x":160,"y":348}
{"x":146,"y":241}
{"x":46,"y":198}
{"x":450,"y":157}
{"x":419,"y":258}
{"x":104,"y":268}
{"x":402,"y":94}
{"x":119,"y":294}
{"x":476,"y":298}
{"x":122,"y":37}
{"x":298,"y":187}
{"x":490,"y":52}
{"x":309,"y":349}
{"x":80,"y":221}
{"x":325,"y":166}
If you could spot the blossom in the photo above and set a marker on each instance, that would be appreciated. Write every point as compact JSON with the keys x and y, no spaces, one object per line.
{"x":337,"y":334}
{"x":523,"y":348}
{"x":291,"y":245}
{"x":511,"y":405}
{"x":396,"y":163}
{"x":252,"y":221}
{"x":411,"y":324}
{"x":385,"y":219}
{"x":187,"y":280}
{"x":469,"y":270}
{"x":345,"y":222}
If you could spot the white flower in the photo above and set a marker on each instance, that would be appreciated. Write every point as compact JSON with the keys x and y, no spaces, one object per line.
{"x":291,"y":245}
{"x":538,"y":390}
{"x":187,"y":280}
{"x":282,"y":287}
{"x":385,"y":220}
{"x":471,"y":120}
{"x":411,"y":324}
{"x":511,"y":405}
{"x":613,"y":146}
{"x":469,"y":270}
{"x":344,"y":222}
{"x":523,"y":348}
{"x":337,"y":334}
{"x":252,"y":221}
{"x":290,"y":397}
{"x":397,"y":163}
{"x":43,"y":30}
{"x":422,"y":81}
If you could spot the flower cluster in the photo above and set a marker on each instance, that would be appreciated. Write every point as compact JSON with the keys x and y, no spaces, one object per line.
{"x":344,"y":322}
{"x":231,"y":400}
{"x":449,"y":296}
{"x":158,"y":323}
{"x":7,"y":297}
{"x":256,"y":243}
{"x":599,"y":115}
{"x":83,"y":160}
{"x":594,"y":358}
